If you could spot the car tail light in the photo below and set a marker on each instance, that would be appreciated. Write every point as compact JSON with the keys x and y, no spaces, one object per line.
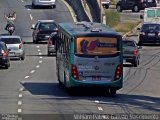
{"x":38,"y":30}
{"x":20,"y":46}
{"x":142,"y":33}
{"x":74,"y":72}
{"x":4,"y":54}
{"x":118,"y":72}
{"x":158,"y":33}
{"x":49,"y":42}
{"x":141,"y":1}
{"x":135,"y":52}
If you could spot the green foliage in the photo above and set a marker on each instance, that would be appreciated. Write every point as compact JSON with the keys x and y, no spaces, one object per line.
{"x":125,"y":27}
{"x":113,"y":2}
{"x":112,"y":17}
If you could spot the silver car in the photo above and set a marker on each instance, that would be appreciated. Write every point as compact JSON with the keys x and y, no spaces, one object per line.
{"x":51,"y":3}
{"x":15,"y":46}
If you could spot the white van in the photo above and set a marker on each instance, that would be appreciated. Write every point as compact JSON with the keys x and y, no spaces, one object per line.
{"x":151,"y":15}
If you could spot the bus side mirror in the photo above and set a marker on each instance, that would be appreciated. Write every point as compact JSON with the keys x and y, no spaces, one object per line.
{"x":141,"y":16}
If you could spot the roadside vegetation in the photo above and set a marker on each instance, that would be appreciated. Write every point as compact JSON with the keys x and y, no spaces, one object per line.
{"x":114,"y":2}
{"x":113,"y":20}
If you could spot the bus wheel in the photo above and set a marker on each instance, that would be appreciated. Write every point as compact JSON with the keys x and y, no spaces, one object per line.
{"x":65,"y":84}
{"x":59,"y":82}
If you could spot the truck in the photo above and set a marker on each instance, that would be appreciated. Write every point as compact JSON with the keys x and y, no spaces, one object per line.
{"x":151,"y":15}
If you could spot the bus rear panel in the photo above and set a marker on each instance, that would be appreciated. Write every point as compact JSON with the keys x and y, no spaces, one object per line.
{"x":96,"y":61}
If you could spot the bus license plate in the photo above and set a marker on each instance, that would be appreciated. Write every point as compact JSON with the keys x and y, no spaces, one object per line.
{"x":96,"y":78}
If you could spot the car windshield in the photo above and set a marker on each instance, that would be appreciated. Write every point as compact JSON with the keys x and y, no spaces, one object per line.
{"x":128,"y":43}
{"x":151,"y":27}
{"x":47,"y":26}
{"x":10,"y":40}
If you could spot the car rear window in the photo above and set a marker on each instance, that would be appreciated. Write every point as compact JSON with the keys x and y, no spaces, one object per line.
{"x":10,"y":40}
{"x":128,"y":43}
{"x":151,"y":27}
{"x":47,"y":26}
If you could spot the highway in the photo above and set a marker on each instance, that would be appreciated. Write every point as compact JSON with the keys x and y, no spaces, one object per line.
{"x":31,"y":87}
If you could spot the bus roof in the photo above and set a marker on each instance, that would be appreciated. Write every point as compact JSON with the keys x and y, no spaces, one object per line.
{"x":81,"y":28}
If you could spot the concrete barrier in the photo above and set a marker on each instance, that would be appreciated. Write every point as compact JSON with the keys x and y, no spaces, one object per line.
{"x":78,"y":9}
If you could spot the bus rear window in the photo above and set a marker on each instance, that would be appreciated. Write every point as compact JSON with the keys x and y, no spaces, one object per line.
{"x":96,"y":46}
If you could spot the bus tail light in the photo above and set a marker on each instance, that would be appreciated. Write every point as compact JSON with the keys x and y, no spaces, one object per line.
{"x":118,"y":72}
{"x":74,"y":72}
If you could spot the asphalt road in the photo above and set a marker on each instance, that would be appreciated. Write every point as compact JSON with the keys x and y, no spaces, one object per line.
{"x":30,"y":89}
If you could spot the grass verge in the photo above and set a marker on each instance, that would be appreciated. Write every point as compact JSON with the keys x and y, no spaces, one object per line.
{"x":113,"y":21}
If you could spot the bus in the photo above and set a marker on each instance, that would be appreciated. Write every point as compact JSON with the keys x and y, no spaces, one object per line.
{"x":89,"y":54}
{"x":151,"y":15}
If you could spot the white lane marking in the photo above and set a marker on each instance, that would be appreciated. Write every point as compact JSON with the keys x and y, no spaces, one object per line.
{"x":40,"y":53}
{"x":21,"y":89}
{"x":37,"y":66}
{"x":31,"y":17}
{"x":22,"y":1}
{"x":96,"y":101}
{"x":26,"y":77}
{"x":40,"y":61}
{"x":19,"y":110}
{"x":37,"y":46}
{"x":40,"y":57}
{"x":20,"y":95}
{"x":19,"y":118}
{"x":100,"y":108}
{"x":19,"y":102}
{"x":39,"y":50}
{"x":32,"y":71}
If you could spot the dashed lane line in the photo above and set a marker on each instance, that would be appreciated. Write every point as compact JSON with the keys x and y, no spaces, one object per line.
{"x":31,"y":17}
{"x":37,"y":66}
{"x":40,"y":61}
{"x":26,"y":77}
{"x":19,"y":102}
{"x":41,"y":57}
{"x":21,"y":89}
{"x":19,"y":110}
{"x":32,"y":71}
{"x":100,"y":108}
{"x":37,"y":46}
{"x":40,"y":53}
{"x":20,"y":95}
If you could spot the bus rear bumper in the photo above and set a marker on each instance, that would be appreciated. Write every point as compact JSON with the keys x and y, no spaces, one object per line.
{"x":114,"y":84}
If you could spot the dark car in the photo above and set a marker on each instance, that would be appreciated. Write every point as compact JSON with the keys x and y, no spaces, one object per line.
{"x":135,"y":5}
{"x":149,"y":33}
{"x":131,"y":52}
{"x":52,"y":43}
{"x":43,"y":29}
{"x":4,"y":57}
{"x":106,"y":3}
